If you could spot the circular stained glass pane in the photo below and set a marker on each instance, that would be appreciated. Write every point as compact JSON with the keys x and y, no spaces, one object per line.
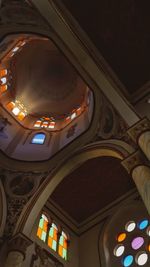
{"x":121,"y":237}
{"x":119,"y":250}
{"x":141,"y":258}
{"x":137,"y":242}
{"x":130,"y":226}
{"x":148,"y":231}
{"x":143,"y":224}
{"x":127,"y":261}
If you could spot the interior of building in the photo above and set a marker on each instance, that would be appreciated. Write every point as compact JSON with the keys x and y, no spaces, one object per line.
{"x":74,"y":133}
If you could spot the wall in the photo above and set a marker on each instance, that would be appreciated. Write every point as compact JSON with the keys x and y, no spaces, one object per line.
{"x":88,"y":247}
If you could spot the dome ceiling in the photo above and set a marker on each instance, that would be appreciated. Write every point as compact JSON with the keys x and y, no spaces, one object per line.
{"x":45,"y":82}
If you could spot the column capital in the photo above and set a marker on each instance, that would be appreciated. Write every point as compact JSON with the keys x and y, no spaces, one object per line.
{"x":139,"y":128}
{"x":134,"y":160}
{"x":19,"y":243}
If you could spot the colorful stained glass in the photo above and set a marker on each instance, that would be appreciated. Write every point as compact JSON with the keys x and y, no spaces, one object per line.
{"x":119,"y":250}
{"x":137,"y":242}
{"x":62,"y":250}
{"x":127,"y":261}
{"x":42,"y":229}
{"x":143,"y":224}
{"x":53,"y":236}
{"x":38,"y":139}
{"x":130,"y":226}
{"x":121,"y":237}
{"x":141,"y":258}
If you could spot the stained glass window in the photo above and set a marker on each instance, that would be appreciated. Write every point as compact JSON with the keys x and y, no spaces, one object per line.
{"x":134,"y":236}
{"x":42,"y":228}
{"x":62,"y":250}
{"x":53,"y":236}
{"x":38,"y":139}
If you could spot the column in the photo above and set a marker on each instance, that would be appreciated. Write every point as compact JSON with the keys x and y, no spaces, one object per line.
{"x":136,"y":165}
{"x":17,"y":250}
{"x":140,"y":133}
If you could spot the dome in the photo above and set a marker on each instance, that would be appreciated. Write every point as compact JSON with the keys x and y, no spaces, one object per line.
{"x":45,"y":82}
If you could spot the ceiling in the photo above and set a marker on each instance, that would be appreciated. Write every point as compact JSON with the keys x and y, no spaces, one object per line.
{"x":45,"y":82}
{"x":91,"y":187}
{"x":120,"y":31}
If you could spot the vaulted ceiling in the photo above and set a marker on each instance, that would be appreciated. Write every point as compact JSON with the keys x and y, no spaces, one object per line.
{"x":120,"y":31}
{"x":91,"y":187}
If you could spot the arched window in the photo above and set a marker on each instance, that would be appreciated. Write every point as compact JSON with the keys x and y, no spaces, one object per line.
{"x":134,"y":233}
{"x":49,"y":234}
{"x":126,"y":238}
{"x":53,"y":237}
{"x":42,"y":228}
{"x":38,"y":139}
{"x":63,"y":245}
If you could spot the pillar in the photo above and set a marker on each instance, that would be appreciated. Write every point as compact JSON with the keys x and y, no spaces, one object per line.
{"x":17,"y":250}
{"x":136,"y":166}
{"x":140,"y":133}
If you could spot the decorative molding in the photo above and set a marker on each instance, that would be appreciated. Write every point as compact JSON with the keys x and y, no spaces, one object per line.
{"x":137,"y":129}
{"x":134,"y":160}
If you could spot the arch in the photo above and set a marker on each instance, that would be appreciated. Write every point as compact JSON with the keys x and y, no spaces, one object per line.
{"x":114,"y":148}
{"x":3,"y":209}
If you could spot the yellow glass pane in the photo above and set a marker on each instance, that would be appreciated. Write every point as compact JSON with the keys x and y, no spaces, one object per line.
{"x":121,"y":237}
{"x":21,"y":116}
{"x":60,"y":250}
{"x":50,"y":241}
{"x":39,"y":232}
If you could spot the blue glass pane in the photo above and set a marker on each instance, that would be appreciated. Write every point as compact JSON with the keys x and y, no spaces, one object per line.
{"x":38,"y":139}
{"x":127,"y":261}
{"x":143,"y":224}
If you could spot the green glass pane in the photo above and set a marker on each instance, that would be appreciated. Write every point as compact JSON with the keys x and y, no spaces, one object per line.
{"x":41,"y":223}
{"x":61,"y":240}
{"x":54,"y":245}
{"x":43,"y":237}
{"x":64,"y":254}
{"x":51,"y":232}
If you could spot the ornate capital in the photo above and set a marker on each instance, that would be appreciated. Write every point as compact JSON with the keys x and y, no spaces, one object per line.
{"x":137,"y":129}
{"x":19,"y":243}
{"x":134,"y":160}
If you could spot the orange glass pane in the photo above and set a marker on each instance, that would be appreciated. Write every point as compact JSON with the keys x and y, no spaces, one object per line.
{"x":3,"y":88}
{"x":45,"y":226}
{"x":21,"y":116}
{"x":149,"y":248}
{"x":55,"y":235}
{"x":10,"y":105}
{"x":121,"y":237}
{"x":39,"y":232}
{"x":50,"y":241}
{"x":65,"y":244}
{"x":60,"y":250}
{"x":3,"y":73}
